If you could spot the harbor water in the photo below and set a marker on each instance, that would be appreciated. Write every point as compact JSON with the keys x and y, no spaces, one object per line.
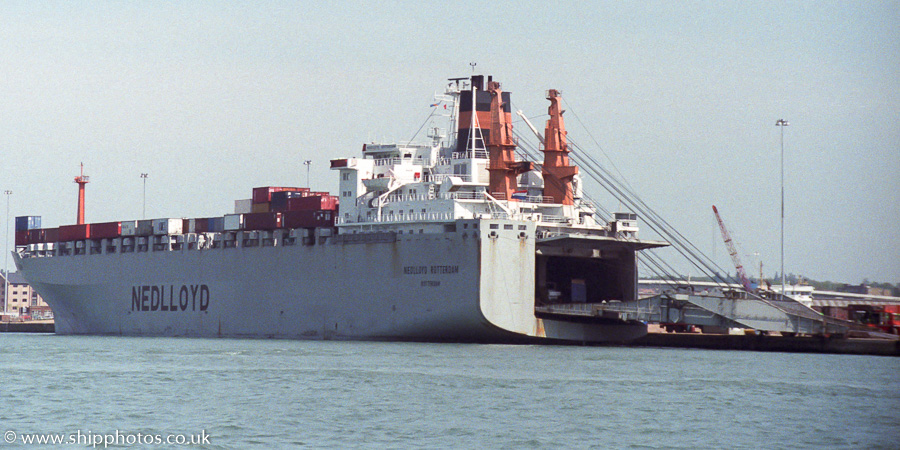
{"x":280,"y":394}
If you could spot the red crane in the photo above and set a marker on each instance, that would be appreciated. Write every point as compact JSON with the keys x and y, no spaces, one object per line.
{"x":732,"y":251}
{"x":81,"y":180}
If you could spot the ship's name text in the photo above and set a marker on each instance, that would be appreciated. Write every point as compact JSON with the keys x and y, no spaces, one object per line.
{"x":422,"y":270}
{"x":194,"y":297}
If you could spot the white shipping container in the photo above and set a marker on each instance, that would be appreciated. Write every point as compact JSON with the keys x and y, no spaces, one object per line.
{"x":234,"y":222}
{"x":243,"y":206}
{"x":167,"y":226}
{"x":129,"y":227}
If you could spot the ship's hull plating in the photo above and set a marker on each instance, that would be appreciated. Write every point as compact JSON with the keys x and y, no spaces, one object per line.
{"x":456,"y":286}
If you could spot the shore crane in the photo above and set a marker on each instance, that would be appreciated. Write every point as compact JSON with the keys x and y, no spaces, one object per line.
{"x":732,"y":251}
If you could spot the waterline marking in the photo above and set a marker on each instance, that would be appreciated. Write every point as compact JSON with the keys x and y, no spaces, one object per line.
{"x":105,"y":439}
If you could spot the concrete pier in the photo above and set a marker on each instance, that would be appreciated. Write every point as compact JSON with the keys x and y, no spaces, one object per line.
{"x":26,"y":327}
{"x":799,"y":344}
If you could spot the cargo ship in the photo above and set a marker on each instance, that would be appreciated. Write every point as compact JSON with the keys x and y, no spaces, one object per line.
{"x":454,"y":239}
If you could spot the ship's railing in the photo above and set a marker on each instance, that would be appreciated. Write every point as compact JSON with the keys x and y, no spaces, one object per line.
{"x":554,"y":219}
{"x":405,"y":218}
{"x":470,"y":154}
{"x":440,"y":177}
{"x":409,"y":198}
{"x":398,"y":161}
{"x":523,"y":198}
{"x":462,"y":196}
{"x":537,"y":199}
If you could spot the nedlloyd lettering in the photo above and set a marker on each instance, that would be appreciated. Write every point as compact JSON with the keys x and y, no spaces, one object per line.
{"x":423,"y":270}
{"x":194,"y":297}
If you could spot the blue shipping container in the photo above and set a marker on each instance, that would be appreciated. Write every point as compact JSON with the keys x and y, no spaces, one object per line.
{"x":25,"y":223}
{"x":216,"y":224}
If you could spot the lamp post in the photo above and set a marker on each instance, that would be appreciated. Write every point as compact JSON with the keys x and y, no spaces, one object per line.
{"x":307,"y":163}
{"x":782,"y":123}
{"x":144,"y":177}
{"x":6,"y":256}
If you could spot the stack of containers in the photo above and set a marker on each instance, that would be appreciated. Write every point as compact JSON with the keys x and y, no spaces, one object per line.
{"x":263,"y":198}
{"x":24,"y":224}
{"x":280,"y":199}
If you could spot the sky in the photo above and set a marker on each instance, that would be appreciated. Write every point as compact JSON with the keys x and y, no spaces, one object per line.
{"x":211,"y":99}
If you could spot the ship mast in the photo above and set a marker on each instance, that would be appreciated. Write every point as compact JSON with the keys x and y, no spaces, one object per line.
{"x":81,"y":180}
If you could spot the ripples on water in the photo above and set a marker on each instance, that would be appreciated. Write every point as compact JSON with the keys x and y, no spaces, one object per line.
{"x":279,"y":394}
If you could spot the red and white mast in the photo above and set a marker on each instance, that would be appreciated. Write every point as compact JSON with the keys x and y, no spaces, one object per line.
{"x":81,"y":180}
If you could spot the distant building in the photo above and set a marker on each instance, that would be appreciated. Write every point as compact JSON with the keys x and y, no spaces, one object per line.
{"x":865,"y":290}
{"x":23,"y":299}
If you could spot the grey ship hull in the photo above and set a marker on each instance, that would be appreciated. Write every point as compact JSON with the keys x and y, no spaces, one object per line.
{"x":459,"y":286}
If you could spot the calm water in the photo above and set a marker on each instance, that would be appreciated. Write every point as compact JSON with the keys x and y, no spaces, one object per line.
{"x":278,"y":394}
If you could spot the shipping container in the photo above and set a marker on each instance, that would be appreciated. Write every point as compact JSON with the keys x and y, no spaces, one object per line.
{"x":187,"y":225}
{"x":199,"y":225}
{"x":264,"y":194}
{"x":279,"y":199}
{"x":36,"y":236}
{"x":313,"y":203}
{"x":307,"y":219}
{"x":233,"y":222}
{"x":167,"y":226}
{"x":216,"y":224}
{"x":22,"y":238}
{"x":129,"y":227}
{"x":74,"y":232}
{"x":144,"y":228}
{"x":243,"y":206}
{"x":107,"y":230}
{"x":262,"y":221}
{"x":51,"y":234}
{"x":25,"y":223}
{"x":259,"y":208}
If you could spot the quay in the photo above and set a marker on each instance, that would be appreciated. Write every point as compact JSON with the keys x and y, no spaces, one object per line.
{"x":27,"y":327}
{"x":793,"y":344}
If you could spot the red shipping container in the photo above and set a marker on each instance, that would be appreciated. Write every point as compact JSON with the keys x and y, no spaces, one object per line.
{"x":106,"y":230}
{"x":262,"y":221}
{"x":308,"y":219}
{"x":51,"y":234}
{"x":22,"y":237}
{"x":201,"y":225}
{"x":74,"y":232}
{"x":264,"y":194}
{"x":35,"y":236}
{"x":313,"y":203}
